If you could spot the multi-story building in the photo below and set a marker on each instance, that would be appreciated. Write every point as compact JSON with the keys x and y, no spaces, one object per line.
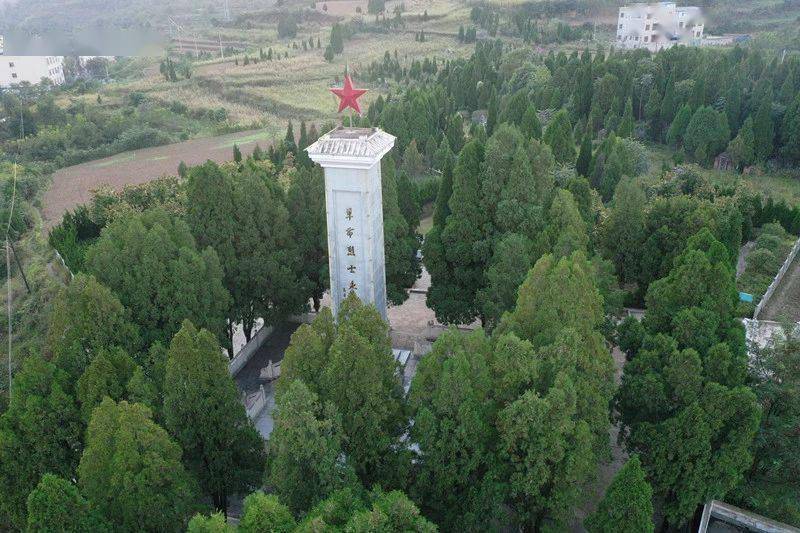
{"x":17,"y":69}
{"x":660,"y":25}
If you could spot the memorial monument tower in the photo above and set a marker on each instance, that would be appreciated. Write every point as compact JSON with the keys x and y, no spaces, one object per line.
{"x":351,"y":158}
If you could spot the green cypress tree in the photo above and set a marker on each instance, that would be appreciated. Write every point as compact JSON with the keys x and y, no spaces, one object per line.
{"x":530,"y":125}
{"x":558,"y":136}
{"x":131,"y":471}
{"x":652,"y":113}
{"x":585,"y":155}
{"x":626,"y":124}
{"x":56,"y":505}
{"x":40,"y":432}
{"x":305,"y":449}
{"x":452,"y":255}
{"x":491,"y":113}
{"x":515,"y":108}
{"x":444,"y":161}
{"x":401,"y":242}
{"x":202,"y":410}
{"x":627,"y":505}
{"x":707,"y":134}
{"x":264,"y":512}
{"x":741,"y":148}
{"x":677,"y":130}
{"x":669,"y":105}
{"x":764,"y":130}
{"x":237,"y":154}
{"x":790,"y":132}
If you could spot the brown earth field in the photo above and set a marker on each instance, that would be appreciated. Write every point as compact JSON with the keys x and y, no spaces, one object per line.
{"x":73,"y":186}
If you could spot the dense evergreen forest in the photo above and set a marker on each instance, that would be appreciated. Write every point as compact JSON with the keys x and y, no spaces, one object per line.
{"x":544,"y":226}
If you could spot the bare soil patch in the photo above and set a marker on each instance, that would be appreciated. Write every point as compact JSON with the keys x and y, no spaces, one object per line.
{"x":73,"y":186}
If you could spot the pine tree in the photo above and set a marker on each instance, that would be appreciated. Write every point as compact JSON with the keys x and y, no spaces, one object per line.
{"x":237,"y":154}
{"x":627,"y":505}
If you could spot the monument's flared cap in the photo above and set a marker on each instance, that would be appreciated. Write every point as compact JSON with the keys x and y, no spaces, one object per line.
{"x":351,"y":147}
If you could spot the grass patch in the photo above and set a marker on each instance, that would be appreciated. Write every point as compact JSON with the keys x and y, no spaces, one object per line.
{"x":425,"y":225}
{"x":772,"y":246}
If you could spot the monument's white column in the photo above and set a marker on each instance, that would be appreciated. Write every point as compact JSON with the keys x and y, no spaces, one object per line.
{"x":351,"y":158}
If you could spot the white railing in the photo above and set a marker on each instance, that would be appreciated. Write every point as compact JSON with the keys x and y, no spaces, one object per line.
{"x":64,"y":264}
{"x":255,"y":404}
{"x":778,"y":277}
{"x":248,"y":350}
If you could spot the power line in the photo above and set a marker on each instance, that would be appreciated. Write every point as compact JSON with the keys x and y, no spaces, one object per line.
{"x":8,"y":270}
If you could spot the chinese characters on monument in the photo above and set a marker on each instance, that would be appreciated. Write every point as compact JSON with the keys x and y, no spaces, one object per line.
{"x":351,"y":158}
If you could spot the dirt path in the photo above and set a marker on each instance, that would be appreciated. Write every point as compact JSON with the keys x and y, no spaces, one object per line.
{"x":785,"y":302}
{"x":741,"y":262}
{"x":73,"y":185}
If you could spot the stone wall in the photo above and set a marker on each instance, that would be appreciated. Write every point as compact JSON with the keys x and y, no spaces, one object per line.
{"x":246,"y":353}
{"x":777,"y":280}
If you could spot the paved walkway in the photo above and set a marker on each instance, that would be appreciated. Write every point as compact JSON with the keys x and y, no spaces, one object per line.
{"x":248,"y":379}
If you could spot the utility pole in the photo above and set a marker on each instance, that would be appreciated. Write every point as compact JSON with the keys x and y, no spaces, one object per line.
{"x":227,"y":12}
{"x":221,"y":51}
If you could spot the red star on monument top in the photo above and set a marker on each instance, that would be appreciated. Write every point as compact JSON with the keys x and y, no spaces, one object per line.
{"x":348,"y":95}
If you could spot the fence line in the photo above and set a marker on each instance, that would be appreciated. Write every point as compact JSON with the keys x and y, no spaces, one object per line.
{"x":776,"y":281}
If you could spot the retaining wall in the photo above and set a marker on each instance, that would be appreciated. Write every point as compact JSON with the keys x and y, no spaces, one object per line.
{"x":776,"y":281}
{"x":248,"y":350}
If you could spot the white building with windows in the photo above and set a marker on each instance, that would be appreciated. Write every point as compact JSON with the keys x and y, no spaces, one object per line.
{"x":17,"y":69}
{"x":659,"y":25}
